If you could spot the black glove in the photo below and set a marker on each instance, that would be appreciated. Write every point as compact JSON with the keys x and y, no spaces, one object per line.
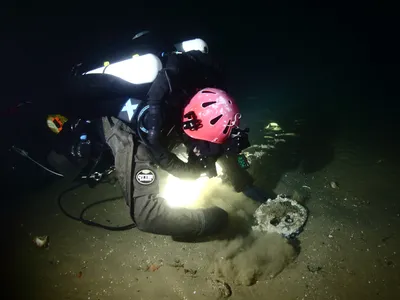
{"x":209,"y":166}
{"x":205,"y":163}
{"x":238,"y":141}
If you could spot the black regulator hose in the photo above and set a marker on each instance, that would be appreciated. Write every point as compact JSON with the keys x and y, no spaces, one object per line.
{"x":81,"y":217}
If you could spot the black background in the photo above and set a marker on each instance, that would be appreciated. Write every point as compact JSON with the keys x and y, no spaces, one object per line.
{"x":340,"y":58}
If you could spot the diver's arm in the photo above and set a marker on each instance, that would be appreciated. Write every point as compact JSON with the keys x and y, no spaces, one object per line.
{"x":168,"y":161}
{"x":181,"y":71}
{"x":173,"y":165}
{"x":238,"y":177}
{"x":159,"y":90}
{"x":182,"y":170}
{"x":188,"y":71}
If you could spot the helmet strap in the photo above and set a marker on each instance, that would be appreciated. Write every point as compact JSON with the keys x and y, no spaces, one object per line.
{"x":236,"y":118}
{"x":193,"y":123}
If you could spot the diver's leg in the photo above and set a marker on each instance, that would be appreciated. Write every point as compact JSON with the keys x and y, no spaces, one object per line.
{"x":119,"y":138}
{"x":152,"y":214}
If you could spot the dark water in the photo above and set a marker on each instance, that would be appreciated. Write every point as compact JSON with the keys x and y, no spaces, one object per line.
{"x":333,"y":71}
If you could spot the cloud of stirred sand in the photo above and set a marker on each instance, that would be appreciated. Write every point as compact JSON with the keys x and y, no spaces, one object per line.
{"x":247,"y":256}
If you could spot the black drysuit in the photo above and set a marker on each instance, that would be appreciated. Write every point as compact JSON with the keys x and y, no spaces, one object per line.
{"x":179,"y":80}
{"x":174,"y":85}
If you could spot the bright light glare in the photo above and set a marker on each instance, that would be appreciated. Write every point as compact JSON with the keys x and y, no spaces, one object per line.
{"x":136,"y":70}
{"x":195,"y":44}
{"x":219,"y":169}
{"x":185,"y":193}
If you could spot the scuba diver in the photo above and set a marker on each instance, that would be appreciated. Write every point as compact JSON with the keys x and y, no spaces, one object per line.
{"x":144,"y":106}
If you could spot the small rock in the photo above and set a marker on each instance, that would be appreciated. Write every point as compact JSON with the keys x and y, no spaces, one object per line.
{"x":223,"y":289}
{"x":334,"y":184}
{"x":153,"y":268}
{"x":190,"y":272}
{"x":313,"y":268}
{"x":42,"y":241}
{"x":177,"y":264}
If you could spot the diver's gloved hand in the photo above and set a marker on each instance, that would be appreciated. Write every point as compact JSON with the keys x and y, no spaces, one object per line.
{"x":178,"y":168}
{"x":257,"y":194}
{"x":205,"y":155}
{"x":209,"y":167}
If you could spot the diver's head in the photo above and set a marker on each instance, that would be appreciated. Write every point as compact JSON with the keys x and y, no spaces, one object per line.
{"x":210,"y":116}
